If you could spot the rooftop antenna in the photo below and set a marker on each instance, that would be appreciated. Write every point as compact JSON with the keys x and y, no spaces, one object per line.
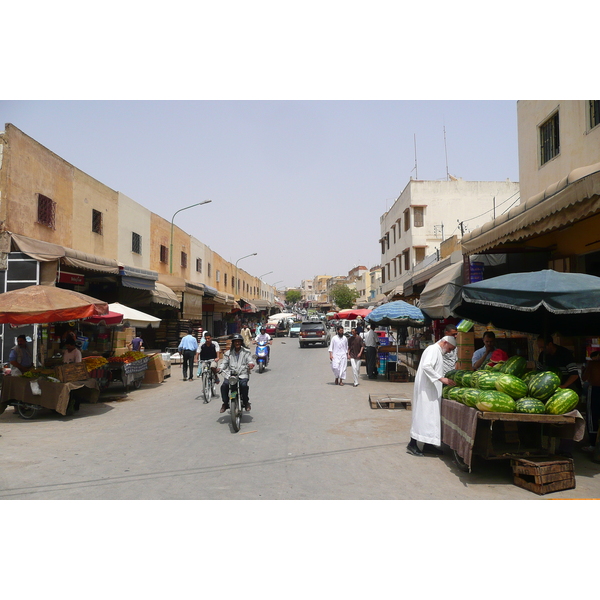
{"x":415,"y":169}
{"x":446,"y":151}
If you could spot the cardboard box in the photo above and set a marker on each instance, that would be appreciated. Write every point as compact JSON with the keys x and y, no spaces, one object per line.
{"x":462,"y":364}
{"x":153,"y":376}
{"x":156,"y":363}
{"x":120,"y":351}
{"x":464,"y":352}
{"x":463,"y":339}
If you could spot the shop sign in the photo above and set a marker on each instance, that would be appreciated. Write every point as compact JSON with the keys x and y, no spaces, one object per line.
{"x":71,"y":278}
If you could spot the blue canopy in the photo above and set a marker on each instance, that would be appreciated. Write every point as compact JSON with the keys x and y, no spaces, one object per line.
{"x":397,"y":314}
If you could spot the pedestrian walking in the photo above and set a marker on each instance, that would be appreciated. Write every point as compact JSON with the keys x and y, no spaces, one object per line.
{"x":247,"y":335}
{"x":356,"y":347}
{"x":426,"y":424}
{"x":371,"y":344}
{"x":188,"y":347}
{"x":338,"y":355}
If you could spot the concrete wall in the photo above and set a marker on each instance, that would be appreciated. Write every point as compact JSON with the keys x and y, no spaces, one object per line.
{"x":579,"y":145}
{"x":444,"y":203}
{"x":134,"y":218}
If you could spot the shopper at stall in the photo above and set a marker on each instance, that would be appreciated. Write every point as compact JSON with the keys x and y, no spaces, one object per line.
{"x":71,"y":354}
{"x":187,"y":348}
{"x":136,"y":344}
{"x":451,"y":357}
{"x":20,"y":357}
{"x":371,"y":343}
{"x":426,"y":424}
{"x":482,"y":356}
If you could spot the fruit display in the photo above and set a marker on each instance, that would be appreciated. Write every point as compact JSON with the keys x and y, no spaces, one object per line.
{"x":497,"y":391}
{"x":37,"y":373}
{"x":94,"y":362}
{"x":128,"y":357}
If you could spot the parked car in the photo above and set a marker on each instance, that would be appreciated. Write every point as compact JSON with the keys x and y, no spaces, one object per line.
{"x":313,"y":332}
{"x":271,"y":329}
{"x":295,"y":329}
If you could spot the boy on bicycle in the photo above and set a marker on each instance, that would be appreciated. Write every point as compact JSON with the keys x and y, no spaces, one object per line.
{"x":209,"y":350}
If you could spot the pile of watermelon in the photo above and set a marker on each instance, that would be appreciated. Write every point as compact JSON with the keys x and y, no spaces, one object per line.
{"x":510,"y":389}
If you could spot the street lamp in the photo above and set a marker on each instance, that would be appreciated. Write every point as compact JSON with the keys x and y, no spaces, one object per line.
{"x":237,"y":279}
{"x":171,"y":247}
{"x":265,"y":274}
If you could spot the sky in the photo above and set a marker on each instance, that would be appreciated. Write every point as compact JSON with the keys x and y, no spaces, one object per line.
{"x":301,"y":183}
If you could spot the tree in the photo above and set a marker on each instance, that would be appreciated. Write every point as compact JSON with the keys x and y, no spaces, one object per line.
{"x":343,"y":296}
{"x":293,"y":296}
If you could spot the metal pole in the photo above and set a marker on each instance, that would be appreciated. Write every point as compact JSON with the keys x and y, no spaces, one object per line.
{"x":172,"y":220}
{"x":237,"y":279}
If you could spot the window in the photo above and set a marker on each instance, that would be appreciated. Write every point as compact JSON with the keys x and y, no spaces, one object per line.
{"x":549,"y":139}
{"x":225,"y":279}
{"x":199,"y":265}
{"x":419,"y":254}
{"x":395,"y":268}
{"x":233,"y":282}
{"x":383,"y":275}
{"x":594,"y":106}
{"x":418,"y":216}
{"x":218,"y":276}
{"x":399,"y":222}
{"x":387,"y":240}
{"x":209,"y":270}
{"x":406,"y":219}
{"x":97,"y":222}
{"x":46,"y":211}
{"x":184,"y":260}
{"x":406,"y":255}
{"x":394,"y":232}
{"x":136,"y":242}
{"x":164,"y":254}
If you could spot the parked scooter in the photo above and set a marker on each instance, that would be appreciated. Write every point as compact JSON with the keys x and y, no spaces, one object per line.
{"x":262,"y":356}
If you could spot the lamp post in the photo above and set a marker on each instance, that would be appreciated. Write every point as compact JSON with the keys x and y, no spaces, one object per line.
{"x":171,"y":247}
{"x":265,"y":274}
{"x":237,"y":279}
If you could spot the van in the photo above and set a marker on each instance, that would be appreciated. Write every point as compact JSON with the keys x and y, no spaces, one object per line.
{"x":348,"y":325}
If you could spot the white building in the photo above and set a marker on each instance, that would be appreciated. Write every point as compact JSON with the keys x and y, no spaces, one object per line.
{"x":428,"y":212}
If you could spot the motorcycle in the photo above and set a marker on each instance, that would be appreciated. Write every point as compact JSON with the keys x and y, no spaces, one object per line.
{"x":235,"y":401}
{"x":262,"y":356}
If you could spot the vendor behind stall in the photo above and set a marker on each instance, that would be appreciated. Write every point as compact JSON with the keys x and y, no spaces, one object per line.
{"x":558,"y":357}
{"x":20,"y":357}
{"x":71,"y":354}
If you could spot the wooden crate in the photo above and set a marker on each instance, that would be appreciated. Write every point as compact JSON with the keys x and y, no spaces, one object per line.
{"x":71,"y":372}
{"x":389,"y":401}
{"x":398,"y":376}
{"x":544,"y":475}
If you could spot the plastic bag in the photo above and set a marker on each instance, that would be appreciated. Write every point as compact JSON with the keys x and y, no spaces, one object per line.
{"x":465,"y":326}
{"x":35,"y":388}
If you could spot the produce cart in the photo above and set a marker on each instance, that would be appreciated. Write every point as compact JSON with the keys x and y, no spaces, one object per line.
{"x":496,"y":435}
{"x":31,"y":395}
{"x":129,"y":373}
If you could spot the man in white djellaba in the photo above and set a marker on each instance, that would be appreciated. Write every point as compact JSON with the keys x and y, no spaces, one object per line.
{"x":338,"y":355}
{"x":426,"y":405}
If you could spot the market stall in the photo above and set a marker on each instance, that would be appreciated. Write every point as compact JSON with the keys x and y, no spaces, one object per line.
{"x":497,"y":435}
{"x":129,"y":369}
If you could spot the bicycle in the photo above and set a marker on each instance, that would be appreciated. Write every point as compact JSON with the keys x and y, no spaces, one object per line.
{"x":208,"y":381}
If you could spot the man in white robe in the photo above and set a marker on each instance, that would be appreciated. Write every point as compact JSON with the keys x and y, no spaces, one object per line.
{"x":338,"y":355}
{"x":426,"y":405}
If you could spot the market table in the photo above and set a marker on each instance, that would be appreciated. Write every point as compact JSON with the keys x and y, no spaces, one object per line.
{"x":494,"y":435}
{"x":54,"y":396}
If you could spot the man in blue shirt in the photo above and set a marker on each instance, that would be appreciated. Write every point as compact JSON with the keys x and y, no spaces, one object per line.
{"x":482,"y":356}
{"x":20,"y":357}
{"x":187,"y":347}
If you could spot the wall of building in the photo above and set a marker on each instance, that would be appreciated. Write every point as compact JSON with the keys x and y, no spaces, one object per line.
{"x":579,"y":145}
{"x":133,"y":218}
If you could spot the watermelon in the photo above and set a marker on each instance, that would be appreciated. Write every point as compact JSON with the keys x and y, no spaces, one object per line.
{"x":454,"y":393}
{"x":458,"y":376}
{"x":450,"y":373}
{"x":471,"y":396}
{"x":466,"y":379}
{"x":490,"y":401}
{"x":445,"y":391}
{"x":513,"y":386}
{"x":530,"y":406}
{"x":487,"y":380}
{"x":475,"y":378}
{"x":498,"y":367}
{"x":543,"y":385}
{"x":562,"y":401}
{"x":527,"y":376}
{"x":515,"y":365}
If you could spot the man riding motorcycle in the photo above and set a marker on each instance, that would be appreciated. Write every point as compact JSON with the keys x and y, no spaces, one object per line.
{"x":264,"y":338}
{"x":238,"y":360}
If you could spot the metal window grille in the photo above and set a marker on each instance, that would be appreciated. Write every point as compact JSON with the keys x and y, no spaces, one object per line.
{"x":549,"y":139}
{"x":225,"y":279}
{"x":199,"y":265}
{"x":97,"y":221}
{"x":406,"y":219}
{"x":184,"y":260}
{"x":164,"y":254}
{"x":136,"y":242}
{"x":46,"y":211}
{"x":594,"y":113}
{"x":418,"y":216}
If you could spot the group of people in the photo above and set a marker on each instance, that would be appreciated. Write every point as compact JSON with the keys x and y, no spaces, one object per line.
{"x":239,"y":360}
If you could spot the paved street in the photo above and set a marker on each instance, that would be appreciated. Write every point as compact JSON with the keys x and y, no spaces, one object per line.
{"x":304,"y":439}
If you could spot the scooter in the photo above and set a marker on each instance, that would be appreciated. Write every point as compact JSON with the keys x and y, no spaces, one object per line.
{"x":262,"y":356}
{"x":235,"y":401}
